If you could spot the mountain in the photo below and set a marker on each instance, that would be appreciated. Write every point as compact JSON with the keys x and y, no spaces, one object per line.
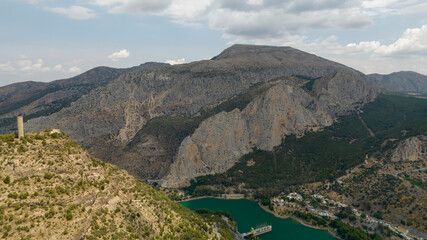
{"x":35,"y":99}
{"x":54,"y":189}
{"x":400,"y":81}
{"x":203,"y":116}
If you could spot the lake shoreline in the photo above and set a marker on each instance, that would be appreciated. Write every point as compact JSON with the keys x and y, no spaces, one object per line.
{"x":202,"y":197}
{"x":266,"y":209}
{"x":298,"y":220}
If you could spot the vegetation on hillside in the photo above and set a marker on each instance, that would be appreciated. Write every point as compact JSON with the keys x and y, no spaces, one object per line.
{"x":51,"y":188}
{"x":327,"y":154}
{"x":170,"y":130}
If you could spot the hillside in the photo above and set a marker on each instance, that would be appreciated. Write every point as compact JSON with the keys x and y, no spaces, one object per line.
{"x":122,"y":122}
{"x":51,"y":188}
{"x":35,"y":99}
{"x":329,"y":153}
{"x":393,"y":187}
{"x":400,"y":81}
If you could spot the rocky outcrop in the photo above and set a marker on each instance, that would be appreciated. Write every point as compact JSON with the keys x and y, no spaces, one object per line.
{"x":113,"y":114}
{"x":400,"y":81}
{"x":35,"y":99}
{"x":111,"y":120}
{"x":411,"y":149}
{"x":284,"y":109}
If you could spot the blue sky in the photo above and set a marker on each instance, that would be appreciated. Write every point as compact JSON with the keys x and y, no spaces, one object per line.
{"x":45,"y":40}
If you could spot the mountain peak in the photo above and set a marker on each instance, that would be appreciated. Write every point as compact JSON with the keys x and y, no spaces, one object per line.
{"x":238,"y":50}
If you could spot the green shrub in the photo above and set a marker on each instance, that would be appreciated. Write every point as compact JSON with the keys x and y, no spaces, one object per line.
{"x":68,"y":216}
{"x":48,"y":176}
{"x":50,"y":213}
{"x":13,"y":195}
{"x":7,"y":137}
{"x":22,"y":149}
{"x":6,"y":180}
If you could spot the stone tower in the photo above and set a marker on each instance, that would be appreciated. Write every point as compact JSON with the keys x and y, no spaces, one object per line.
{"x":20,"y":120}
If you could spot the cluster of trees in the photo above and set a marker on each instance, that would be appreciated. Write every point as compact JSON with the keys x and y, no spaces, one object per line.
{"x":348,"y":232}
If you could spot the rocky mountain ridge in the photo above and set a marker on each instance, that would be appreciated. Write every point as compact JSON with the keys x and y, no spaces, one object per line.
{"x":35,"y":99}
{"x":283,"y":110}
{"x":404,"y":81}
{"x":111,"y":121}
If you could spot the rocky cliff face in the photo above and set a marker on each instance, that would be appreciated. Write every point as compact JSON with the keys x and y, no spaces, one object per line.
{"x":400,"y":81}
{"x":284,"y":109}
{"x":35,"y":99}
{"x":112,"y":120}
{"x":411,"y":149}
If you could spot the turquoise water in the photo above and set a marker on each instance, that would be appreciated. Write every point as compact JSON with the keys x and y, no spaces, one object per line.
{"x":248,"y":214}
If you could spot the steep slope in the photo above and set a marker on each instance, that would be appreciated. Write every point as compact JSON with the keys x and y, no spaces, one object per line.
{"x":108,"y":120}
{"x":400,"y":81}
{"x":283,"y":110}
{"x":51,"y":188}
{"x":396,"y":188}
{"x":34,"y":99}
{"x":329,"y":153}
{"x":115,"y":122}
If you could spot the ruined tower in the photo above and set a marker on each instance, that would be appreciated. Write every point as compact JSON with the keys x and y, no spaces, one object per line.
{"x":20,"y":120}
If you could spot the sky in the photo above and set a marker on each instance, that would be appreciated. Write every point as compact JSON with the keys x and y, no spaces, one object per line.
{"x":45,"y":40}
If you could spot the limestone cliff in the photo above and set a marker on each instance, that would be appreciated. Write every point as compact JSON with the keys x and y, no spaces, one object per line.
{"x":411,"y":149}
{"x":108,"y":119}
{"x":284,"y":109}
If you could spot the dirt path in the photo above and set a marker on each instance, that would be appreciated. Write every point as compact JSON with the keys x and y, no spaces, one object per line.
{"x":366,"y":126}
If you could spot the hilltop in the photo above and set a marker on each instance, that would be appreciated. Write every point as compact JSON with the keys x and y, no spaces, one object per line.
{"x":51,"y":188}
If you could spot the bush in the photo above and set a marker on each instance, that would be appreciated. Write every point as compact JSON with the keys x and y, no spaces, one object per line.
{"x":68,"y":216}
{"x":7,"y":137}
{"x":50,"y":213}
{"x":39,"y":137}
{"x":378,"y":215}
{"x":6,"y":180}
{"x":13,"y":195}
{"x":22,"y":149}
{"x":48,"y":176}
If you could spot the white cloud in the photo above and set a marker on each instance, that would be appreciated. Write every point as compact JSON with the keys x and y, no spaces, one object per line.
{"x":7,"y":67}
{"x":26,"y":65}
{"x":408,"y":52}
{"x":74,"y":69}
{"x":413,"y":42}
{"x":119,"y":55}
{"x":252,"y":20}
{"x":75,"y":12}
{"x":275,"y":21}
{"x":174,"y":62}
{"x":60,"y":68}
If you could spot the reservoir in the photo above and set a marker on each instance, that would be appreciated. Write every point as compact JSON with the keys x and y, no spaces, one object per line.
{"x":248,"y":214}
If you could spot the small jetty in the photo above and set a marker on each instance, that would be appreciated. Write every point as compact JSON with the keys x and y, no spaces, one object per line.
{"x":257,"y":231}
